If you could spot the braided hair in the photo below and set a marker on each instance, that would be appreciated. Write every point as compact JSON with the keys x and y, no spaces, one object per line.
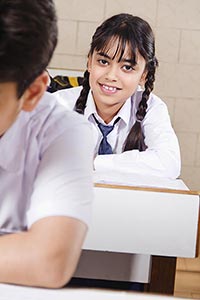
{"x":135,"y":32}
{"x":82,"y":99}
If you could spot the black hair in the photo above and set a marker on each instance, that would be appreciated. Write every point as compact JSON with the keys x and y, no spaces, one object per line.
{"x":135,"y":32}
{"x":28,"y":36}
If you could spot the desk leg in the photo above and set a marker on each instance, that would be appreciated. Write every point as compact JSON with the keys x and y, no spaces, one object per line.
{"x":163,"y":272}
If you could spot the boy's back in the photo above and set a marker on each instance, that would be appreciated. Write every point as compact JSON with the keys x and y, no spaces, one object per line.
{"x":45,"y":155}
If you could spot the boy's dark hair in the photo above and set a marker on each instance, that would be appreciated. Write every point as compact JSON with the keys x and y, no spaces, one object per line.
{"x":138,"y":35}
{"x":28,"y":36}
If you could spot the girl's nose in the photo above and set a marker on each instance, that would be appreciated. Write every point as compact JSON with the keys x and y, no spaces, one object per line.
{"x":111,"y":73}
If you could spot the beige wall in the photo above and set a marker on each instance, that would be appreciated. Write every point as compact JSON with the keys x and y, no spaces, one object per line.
{"x":176,"y":24}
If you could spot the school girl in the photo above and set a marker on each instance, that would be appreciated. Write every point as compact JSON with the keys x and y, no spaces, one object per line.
{"x":131,"y":126}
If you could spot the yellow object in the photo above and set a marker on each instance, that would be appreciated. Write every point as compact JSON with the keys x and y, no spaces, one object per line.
{"x":73,"y":81}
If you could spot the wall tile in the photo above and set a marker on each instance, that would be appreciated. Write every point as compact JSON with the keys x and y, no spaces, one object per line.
{"x":187,"y":112}
{"x":171,"y":106}
{"x":188,"y":144}
{"x":190,"y":47}
{"x":167,"y":44}
{"x":68,"y":62}
{"x":178,"y":80}
{"x":66,"y":37}
{"x":85,"y":33}
{"x":179,"y":14}
{"x":144,"y":8}
{"x":82,"y":10}
{"x":191,"y":177}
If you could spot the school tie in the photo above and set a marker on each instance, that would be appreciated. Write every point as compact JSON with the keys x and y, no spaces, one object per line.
{"x":105,"y":147}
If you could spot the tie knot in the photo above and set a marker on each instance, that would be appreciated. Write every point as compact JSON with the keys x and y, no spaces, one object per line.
{"x":105,"y":129}
{"x":105,"y":147}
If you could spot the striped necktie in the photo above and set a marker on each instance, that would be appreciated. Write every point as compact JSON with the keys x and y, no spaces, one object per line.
{"x":105,"y":147}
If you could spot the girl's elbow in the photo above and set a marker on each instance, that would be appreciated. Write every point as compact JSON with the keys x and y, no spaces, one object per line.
{"x":173,"y":170}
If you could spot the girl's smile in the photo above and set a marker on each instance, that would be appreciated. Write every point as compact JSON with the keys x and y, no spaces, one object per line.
{"x":108,"y":90}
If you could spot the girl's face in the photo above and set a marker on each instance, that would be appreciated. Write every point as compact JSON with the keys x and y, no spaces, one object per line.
{"x":112,"y":81}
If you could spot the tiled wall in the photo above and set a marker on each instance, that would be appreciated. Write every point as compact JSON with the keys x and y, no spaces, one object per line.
{"x":177,"y":27}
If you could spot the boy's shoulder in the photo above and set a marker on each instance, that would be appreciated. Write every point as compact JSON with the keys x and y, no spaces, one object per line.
{"x":50,"y":110}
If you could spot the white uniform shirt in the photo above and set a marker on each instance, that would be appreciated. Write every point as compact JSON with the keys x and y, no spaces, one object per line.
{"x":45,"y":167}
{"x":162,"y":157}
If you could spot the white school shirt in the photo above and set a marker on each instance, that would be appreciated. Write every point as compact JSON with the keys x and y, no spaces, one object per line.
{"x":162,"y":157}
{"x":45,"y":167}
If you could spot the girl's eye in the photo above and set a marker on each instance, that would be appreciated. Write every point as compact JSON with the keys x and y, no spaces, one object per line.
{"x":103,"y":61}
{"x":128,"y":68}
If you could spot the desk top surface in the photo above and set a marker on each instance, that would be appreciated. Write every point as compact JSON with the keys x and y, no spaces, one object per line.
{"x":8,"y":292}
{"x":139,"y":181}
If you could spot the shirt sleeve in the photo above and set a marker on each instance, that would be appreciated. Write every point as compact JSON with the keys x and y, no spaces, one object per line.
{"x":63,"y":184}
{"x":162,"y":157}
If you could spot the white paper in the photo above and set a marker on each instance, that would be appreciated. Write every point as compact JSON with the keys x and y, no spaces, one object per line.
{"x":131,"y":179}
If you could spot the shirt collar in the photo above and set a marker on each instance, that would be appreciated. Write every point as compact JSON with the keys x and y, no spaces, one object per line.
{"x":90,"y":107}
{"x":12,"y":150}
{"x":124,"y":112}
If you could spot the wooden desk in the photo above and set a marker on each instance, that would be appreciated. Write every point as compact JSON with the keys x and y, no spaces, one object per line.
{"x":8,"y":292}
{"x":162,"y":222}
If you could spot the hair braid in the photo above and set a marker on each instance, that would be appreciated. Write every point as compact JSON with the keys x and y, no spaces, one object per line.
{"x":135,"y":138}
{"x":82,"y":99}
